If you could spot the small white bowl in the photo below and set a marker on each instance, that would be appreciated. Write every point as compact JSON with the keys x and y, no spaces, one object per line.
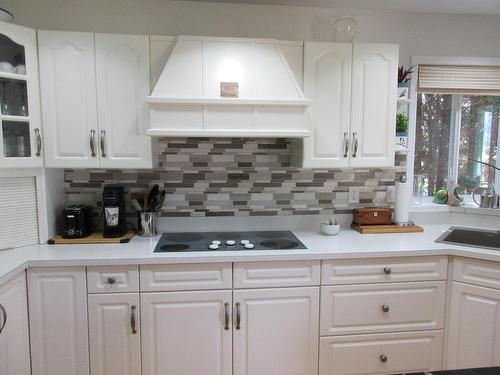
{"x":6,"y":67}
{"x":329,"y":229}
{"x":21,"y":69}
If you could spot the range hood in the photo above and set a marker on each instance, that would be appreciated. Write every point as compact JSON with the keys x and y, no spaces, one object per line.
{"x":227,"y":87}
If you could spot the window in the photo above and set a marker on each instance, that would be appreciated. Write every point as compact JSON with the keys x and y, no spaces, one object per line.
{"x":457,"y":127}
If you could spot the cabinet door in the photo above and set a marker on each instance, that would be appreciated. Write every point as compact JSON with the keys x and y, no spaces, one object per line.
{"x":186,"y":333}
{"x":122,"y":66}
{"x":14,"y":336}
{"x":20,"y":125}
{"x":115,"y":345}
{"x":474,"y":327}
{"x":58,"y":321}
{"x":67,"y":80}
{"x":278,"y":331}
{"x":327,"y":83}
{"x":373,"y":107}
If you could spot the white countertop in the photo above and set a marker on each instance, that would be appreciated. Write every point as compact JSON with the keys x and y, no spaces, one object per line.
{"x":347,"y":244}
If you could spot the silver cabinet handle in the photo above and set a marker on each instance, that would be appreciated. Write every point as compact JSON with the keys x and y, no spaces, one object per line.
{"x":4,"y":317}
{"x":103,"y":151}
{"x":111,"y":280}
{"x":92,"y":143}
{"x":132,"y":319}
{"x":346,"y":144}
{"x":383,"y":358}
{"x":356,"y":144}
{"x":238,"y":316}
{"x":226,"y":316}
{"x":38,"y":142}
{"x":385,"y":308}
{"x":387,"y":270}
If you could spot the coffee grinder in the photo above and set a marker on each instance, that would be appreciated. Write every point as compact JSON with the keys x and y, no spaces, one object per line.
{"x":113,"y":201}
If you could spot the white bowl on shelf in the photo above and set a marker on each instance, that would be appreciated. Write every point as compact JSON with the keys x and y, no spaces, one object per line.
{"x":330,"y":229}
{"x":6,"y":67}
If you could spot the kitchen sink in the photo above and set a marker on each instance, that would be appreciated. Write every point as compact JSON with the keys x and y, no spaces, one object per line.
{"x":483,"y":238}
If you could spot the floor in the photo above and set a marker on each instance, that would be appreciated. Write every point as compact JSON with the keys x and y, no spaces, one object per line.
{"x":481,"y":371}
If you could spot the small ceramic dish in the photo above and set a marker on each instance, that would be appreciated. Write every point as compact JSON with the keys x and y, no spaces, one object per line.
{"x":6,"y":67}
{"x":330,"y":229}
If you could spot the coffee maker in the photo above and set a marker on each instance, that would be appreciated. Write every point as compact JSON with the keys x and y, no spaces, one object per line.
{"x":113,"y":202}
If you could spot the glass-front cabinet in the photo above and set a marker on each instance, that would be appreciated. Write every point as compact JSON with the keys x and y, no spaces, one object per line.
{"x":20,"y":130}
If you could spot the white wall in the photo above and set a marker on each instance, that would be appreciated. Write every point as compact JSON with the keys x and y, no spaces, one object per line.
{"x":417,"y":33}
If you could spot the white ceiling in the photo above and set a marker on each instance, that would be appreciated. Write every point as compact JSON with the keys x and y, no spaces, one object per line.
{"x":491,"y":7}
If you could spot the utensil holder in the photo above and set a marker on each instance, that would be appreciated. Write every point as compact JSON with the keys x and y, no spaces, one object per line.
{"x":147,"y":224}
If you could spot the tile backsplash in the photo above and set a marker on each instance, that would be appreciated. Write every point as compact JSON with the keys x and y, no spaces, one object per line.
{"x":235,"y":176}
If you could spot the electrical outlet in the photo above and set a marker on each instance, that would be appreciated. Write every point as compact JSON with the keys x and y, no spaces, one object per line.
{"x":391,"y":194}
{"x":354,"y":194}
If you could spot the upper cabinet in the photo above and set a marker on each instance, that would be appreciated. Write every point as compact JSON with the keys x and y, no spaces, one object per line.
{"x":93,"y":88}
{"x":20,"y":130}
{"x":353,"y":94}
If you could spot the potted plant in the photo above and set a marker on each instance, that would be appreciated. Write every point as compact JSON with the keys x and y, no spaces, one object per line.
{"x":402,"y":130}
{"x":404,"y":76}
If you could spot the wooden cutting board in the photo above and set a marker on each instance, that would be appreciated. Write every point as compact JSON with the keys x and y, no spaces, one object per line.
{"x":374,"y":229}
{"x":94,"y":238}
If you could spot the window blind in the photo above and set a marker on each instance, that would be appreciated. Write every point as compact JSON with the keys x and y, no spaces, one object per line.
{"x":18,"y":212}
{"x":458,"y":79}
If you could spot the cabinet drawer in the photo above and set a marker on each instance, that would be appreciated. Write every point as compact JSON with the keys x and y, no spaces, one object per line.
{"x":382,"y":308}
{"x":388,"y":353}
{"x":112,"y":279}
{"x":363,"y":271}
{"x":477,"y":272}
{"x":168,"y":277}
{"x":276,"y":274}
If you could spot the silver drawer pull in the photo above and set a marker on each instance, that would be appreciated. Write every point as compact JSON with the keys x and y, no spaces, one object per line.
{"x":4,"y":317}
{"x":356,"y":143}
{"x":346,"y":144}
{"x":226,"y":316}
{"x":38,"y":142}
{"x":132,"y":320}
{"x":385,"y":308}
{"x":383,"y":358}
{"x":103,"y":143}
{"x":387,"y":270}
{"x":238,"y":316}
{"x":92,"y":144}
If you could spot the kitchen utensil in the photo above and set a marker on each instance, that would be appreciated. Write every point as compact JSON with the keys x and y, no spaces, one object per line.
{"x":135,"y":204}
{"x":489,"y":199}
{"x":152,"y":195}
{"x":147,"y":224}
{"x":161,"y":199}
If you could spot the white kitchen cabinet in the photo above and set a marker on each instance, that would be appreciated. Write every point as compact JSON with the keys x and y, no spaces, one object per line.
{"x":94,"y":88}
{"x":114,"y":334}
{"x":186,"y":333}
{"x":373,"y":104}
{"x":69,"y":103}
{"x":14,"y":335}
{"x":58,"y":321}
{"x":327,"y":83}
{"x":276,"y":331}
{"x":353,"y":109}
{"x":122,"y":77}
{"x":20,"y":130}
{"x":474,"y":327}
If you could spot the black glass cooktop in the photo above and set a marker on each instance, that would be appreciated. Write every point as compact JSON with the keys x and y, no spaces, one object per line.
{"x":228,"y":241}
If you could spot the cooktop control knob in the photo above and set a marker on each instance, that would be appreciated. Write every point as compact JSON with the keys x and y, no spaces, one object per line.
{"x":249,"y":245}
{"x":216,"y":242}
{"x":243,"y":242}
{"x":213,"y":246}
{"x":230,"y":242}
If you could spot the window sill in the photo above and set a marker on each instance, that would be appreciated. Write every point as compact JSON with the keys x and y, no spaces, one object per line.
{"x":467,"y":208}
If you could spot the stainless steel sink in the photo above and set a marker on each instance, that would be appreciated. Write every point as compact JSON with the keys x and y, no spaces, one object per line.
{"x":483,"y":238}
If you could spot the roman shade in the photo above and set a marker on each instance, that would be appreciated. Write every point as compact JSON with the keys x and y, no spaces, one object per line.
{"x":459,"y":79}
{"x":18,"y":212}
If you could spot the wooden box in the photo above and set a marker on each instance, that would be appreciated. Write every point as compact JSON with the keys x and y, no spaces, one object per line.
{"x":372,"y":216}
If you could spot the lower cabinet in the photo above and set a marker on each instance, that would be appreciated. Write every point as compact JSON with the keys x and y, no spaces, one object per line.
{"x":58,"y":321}
{"x":474,"y":327}
{"x":14,"y":335}
{"x":186,"y":333}
{"x":276,"y":331}
{"x":386,"y":353}
{"x":114,"y":334}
